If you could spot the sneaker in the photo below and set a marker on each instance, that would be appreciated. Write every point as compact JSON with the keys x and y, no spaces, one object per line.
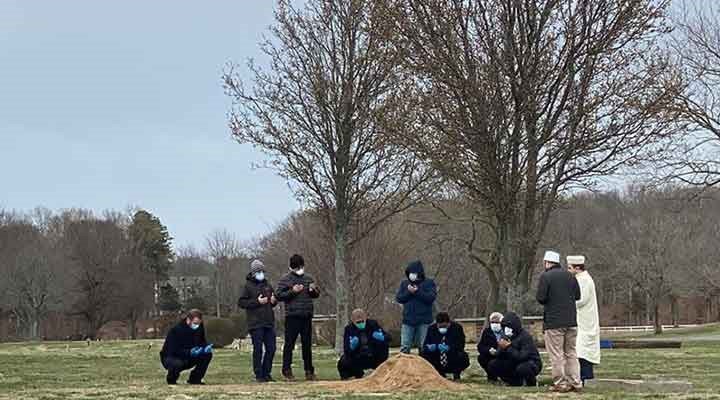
{"x":310,"y":376}
{"x":288,"y":375}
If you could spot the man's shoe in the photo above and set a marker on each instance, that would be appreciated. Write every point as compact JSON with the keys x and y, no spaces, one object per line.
{"x":269,"y":379}
{"x":531,"y":382}
{"x":558,"y":388}
{"x":310,"y":376}
{"x":288,"y":375}
{"x":456,"y":377}
{"x":169,"y":382}
{"x":261,"y":380}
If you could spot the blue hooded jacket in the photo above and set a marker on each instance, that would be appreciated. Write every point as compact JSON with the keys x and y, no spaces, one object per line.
{"x":418,"y":306}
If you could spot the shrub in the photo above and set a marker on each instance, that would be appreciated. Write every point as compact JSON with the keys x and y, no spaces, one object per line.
{"x":240,"y":322}
{"x":220,"y":331}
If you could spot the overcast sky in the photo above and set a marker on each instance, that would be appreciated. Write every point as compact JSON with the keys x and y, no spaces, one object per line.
{"x":106,"y":104}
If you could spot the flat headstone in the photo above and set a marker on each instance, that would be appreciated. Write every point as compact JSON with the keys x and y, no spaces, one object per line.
{"x":637,"y":385}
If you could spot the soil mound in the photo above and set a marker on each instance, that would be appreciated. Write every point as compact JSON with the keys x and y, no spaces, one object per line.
{"x":403,"y":372}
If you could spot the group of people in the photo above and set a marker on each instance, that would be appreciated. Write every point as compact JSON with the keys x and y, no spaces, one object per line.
{"x":506,"y":351}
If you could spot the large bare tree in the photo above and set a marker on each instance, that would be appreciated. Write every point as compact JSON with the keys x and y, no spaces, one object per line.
{"x":523,"y":100}
{"x":222,"y":247}
{"x":323,"y":110}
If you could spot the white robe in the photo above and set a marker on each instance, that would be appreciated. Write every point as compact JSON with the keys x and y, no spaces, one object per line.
{"x":588,"y":320}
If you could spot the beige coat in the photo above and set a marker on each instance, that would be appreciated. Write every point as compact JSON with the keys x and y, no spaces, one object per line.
{"x":588,"y":320}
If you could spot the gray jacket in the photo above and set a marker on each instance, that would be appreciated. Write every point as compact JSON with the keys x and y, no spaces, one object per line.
{"x":297,"y":304}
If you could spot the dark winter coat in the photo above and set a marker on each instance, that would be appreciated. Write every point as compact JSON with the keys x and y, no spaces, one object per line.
{"x":522,"y":347}
{"x":181,"y":339}
{"x":369,"y":346}
{"x":488,"y":341}
{"x":455,"y":337}
{"x":258,"y":315}
{"x":557,"y":292}
{"x":297,"y":304}
{"x":418,"y":306}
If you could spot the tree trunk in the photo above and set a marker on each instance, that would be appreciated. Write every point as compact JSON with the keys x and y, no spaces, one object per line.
{"x":675,"y":311}
{"x":657,"y":322}
{"x":341,"y":303}
{"x":132,"y":326}
{"x":217,"y":291}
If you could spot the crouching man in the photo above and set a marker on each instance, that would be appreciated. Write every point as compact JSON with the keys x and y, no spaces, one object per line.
{"x":366,"y":346}
{"x":444,"y":347}
{"x":185,"y":347}
{"x":518,"y":361}
{"x":488,"y":344}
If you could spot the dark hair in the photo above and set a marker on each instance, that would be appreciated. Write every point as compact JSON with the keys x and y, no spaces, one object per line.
{"x":296,"y":261}
{"x":442,"y":317}
{"x":194,"y":313}
{"x":581,"y":267}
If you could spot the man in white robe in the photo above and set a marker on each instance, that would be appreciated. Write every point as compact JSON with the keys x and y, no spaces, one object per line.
{"x":588,"y":319}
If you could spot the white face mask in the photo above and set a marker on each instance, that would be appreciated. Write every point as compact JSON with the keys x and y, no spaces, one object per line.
{"x":260,"y":276}
{"x":508,"y":331}
{"x":299,"y":271}
{"x":412,"y":276}
{"x":496,"y":327}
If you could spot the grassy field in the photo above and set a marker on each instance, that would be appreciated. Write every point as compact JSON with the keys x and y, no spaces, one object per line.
{"x":130,"y":370}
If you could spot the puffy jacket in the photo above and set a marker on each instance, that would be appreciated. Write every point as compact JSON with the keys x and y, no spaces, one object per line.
{"x":297,"y":304}
{"x":181,"y":339}
{"x":455,"y":337}
{"x":522,"y":347}
{"x":368,"y":345}
{"x":418,"y":306}
{"x":258,"y":315}
{"x":557,"y":292}
{"x":487,"y":341}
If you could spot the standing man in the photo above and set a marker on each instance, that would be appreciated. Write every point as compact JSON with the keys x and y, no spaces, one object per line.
{"x":557,"y":292}
{"x":417,"y":295}
{"x":488,"y":344}
{"x":258,"y":300}
{"x":298,"y":290}
{"x":365,"y":346}
{"x":185,"y":347}
{"x":588,"y":319}
{"x":444,"y":347}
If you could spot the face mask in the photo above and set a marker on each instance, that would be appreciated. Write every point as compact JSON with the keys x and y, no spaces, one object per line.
{"x":508,"y":331}
{"x":260,"y":276}
{"x":495,"y":327}
{"x":412,"y":276}
{"x":442,"y":330}
{"x":299,"y":271}
{"x":194,"y":326}
{"x":360,"y":325}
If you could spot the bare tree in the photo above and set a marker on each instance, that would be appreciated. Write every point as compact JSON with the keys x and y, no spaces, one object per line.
{"x":324,"y":111}
{"x":221,"y":246}
{"x":523,"y":100}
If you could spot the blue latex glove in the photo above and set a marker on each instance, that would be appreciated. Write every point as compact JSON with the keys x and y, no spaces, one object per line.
{"x":431,"y":347}
{"x":196,"y":351}
{"x":379,"y":336}
{"x":443,"y":348}
{"x":208,"y":349}
{"x":354,"y":342}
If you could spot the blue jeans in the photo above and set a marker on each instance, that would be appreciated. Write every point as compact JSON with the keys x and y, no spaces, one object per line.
{"x":412,"y":336}
{"x":262,"y":365}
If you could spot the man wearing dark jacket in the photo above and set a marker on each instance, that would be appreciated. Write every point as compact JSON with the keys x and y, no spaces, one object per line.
{"x":365,"y":346}
{"x":488,"y":344}
{"x":185,"y":347}
{"x":258,"y":299}
{"x":444,"y":347}
{"x":518,"y":361}
{"x":417,"y":295}
{"x":298,"y":290}
{"x":558,"y":290}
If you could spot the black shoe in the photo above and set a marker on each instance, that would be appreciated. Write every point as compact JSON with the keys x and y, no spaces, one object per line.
{"x":531,"y":382}
{"x":269,"y":379}
{"x":310,"y":376}
{"x":288,"y":375}
{"x":261,"y":380}
{"x":169,"y":382}
{"x":456,"y":377}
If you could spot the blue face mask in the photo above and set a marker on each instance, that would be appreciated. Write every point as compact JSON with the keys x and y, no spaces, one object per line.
{"x":442,"y":330}
{"x":360,"y":325}
{"x":260,"y":276}
{"x":194,"y":326}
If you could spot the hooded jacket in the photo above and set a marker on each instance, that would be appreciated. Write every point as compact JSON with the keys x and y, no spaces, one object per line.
{"x":418,"y":306}
{"x":181,"y":339}
{"x":258,"y":315}
{"x":369,"y":346}
{"x":297,"y":304}
{"x":522,"y":347}
{"x":557,"y":292}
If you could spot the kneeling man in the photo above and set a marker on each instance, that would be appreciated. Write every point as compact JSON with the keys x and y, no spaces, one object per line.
{"x":185,"y":347}
{"x":518,"y":361}
{"x":444,"y":347}
{"x":366,"y":346}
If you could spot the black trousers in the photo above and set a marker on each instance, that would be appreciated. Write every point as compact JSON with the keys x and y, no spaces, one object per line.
{"x":262,"y":362}
{"x":295,"y":326}
{"x":354,"y":367}
{"x":515,"y":374}
{"x":458,"y":362}
{"x":484,"y":360}
{"x":175,"y":365}
{"x":586,"y":370}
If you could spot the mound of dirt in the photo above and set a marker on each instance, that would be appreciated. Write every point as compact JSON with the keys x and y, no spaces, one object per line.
{"x":403,"y":372}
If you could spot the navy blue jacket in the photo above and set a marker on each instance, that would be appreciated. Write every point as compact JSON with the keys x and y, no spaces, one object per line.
{"x":369,"y":346}
{"x":418,"y":306}
{"x":181,"y":339}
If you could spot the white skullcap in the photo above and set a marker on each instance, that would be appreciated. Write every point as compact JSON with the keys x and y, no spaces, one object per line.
{"x":552,"y":256}
{"x":576,"y":260}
